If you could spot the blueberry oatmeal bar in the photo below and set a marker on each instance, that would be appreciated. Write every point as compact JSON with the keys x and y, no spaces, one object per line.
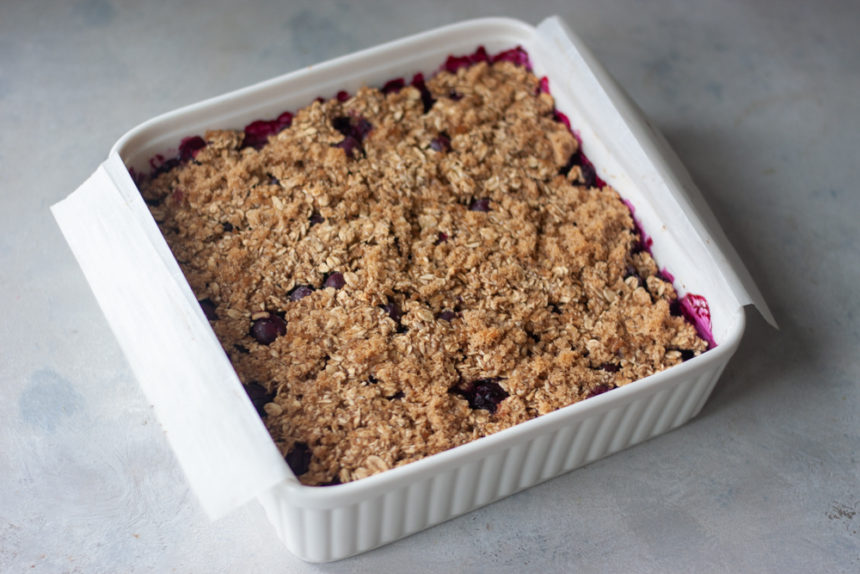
{"x":403,"y":270}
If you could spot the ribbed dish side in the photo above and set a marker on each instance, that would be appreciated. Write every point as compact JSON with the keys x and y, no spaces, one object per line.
{"x":325,"y":534}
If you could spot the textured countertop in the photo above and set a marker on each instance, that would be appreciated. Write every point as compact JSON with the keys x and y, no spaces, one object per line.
{"x":761,"y":102}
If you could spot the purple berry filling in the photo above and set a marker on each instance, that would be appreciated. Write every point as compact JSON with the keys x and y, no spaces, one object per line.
{"x":610,"y":367}
{"x":189,"y":147}
{"x":354,"y":130}
{"x":515,"y":55}
{"x":427,"y":98}
{"x":480,"y":204}
{"x":300,"y":292}
{"x":446,"y":315}
{"x":351,"y":146}
{"x":342,"y":96}
{"x":259,"y":397}
{"x":441,"y":238}
{"x":543,"y":85}
{"x":267,"y":329}
{"x":483,"y":394}
{"x":599,"y":390}
{"x":393,"y":310}
{"x":316,"y":218}
{"x":441,"y":143}
{"x":257,"y":132}
{"x":335,"y":280}
{"x":393,"y":86}
{"x":695,"y":309}
{"x":454,"y":63}
{"x":299,"y":458}
{"x":208,"y":307}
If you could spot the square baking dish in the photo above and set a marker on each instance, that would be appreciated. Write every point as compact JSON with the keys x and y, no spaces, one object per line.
{"x":219,"y":440}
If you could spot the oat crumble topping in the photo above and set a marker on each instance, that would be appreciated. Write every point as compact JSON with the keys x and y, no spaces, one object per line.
{"x":391,"y":281}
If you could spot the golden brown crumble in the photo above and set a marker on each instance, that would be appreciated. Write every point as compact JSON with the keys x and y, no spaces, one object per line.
{"x":544,"y":294}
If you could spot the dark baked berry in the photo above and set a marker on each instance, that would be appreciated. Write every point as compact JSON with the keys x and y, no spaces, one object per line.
{"x":393,"y":310}
{"x":335,"y":280}
{"x":446,"y":315}
{"x":632,"y":272}
{"x":543,"y":85}
{"x":351,"y":146}
{"x":427,"y":98}
{"x":268,"y":329}
{"x":299,"y":458}
{"x":342,"y":124}
{"x":189,"y":147}
{"x":208,"y":307}
{"x":259,"y":396}
{"x":441,"y":238}
{"x":483,"y":394}
{"x":441,"y":143}
{"x":454,"y":63}
{"x":599,"y":390}
{"x":516,"y":55}
{"x":227,"y":227}
{"x":675,"y":308}
{"x":316,"y":218}
{"x":393,"y":86}
{"x":333,"y":482}
{"x":480,"y":204}
{"x":342,"y":96}
{"x":687,"y":354}
{"x":610,"y":367}
{"x":300,"y":292}
{"x":257,"y":132}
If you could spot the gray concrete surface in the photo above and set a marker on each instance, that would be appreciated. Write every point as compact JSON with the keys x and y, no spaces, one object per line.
{"x":759,"y":98}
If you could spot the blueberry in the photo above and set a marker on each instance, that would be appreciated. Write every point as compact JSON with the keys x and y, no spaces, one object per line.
{"x":393,"y":310}
{"x":300,"y":292}
{"x":483,"y":394}
{"x":687,"y":354}
{"x":441,"y":238}
{"x":342,"y":96}
{"x":259,"y":396}
{"x":441,"y":143}
{"x":316,"y":218}
{"x":299,"y":458}
{"x":480,"y":204}
{"x":208,"y":307}
{"x":675,"y":308}
{"x":227,"y":227}
{"x":335,"y":280}
{"x":610,"y":367}
{"x":446,"y":315}
{"x":268,"y":329}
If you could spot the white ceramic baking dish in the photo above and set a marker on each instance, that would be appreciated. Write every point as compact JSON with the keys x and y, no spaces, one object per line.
{"x":226,"y":453}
